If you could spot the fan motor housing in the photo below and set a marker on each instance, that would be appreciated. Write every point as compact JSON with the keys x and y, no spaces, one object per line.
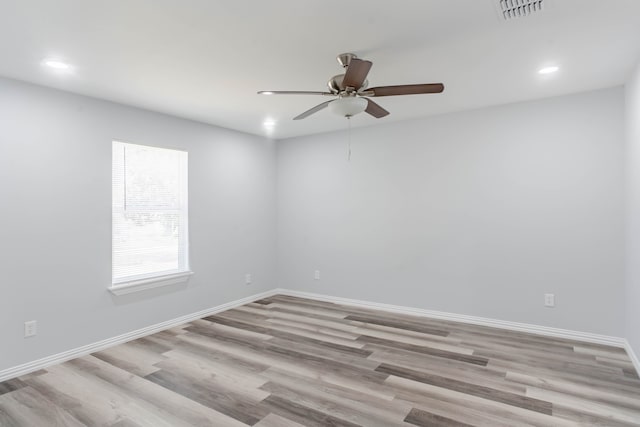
{"x":335,"y":84}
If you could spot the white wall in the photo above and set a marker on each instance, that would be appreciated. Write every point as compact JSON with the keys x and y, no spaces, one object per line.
{"x":55,"y":193}
{"x":632,"y":122}
{"x":479,"y":213}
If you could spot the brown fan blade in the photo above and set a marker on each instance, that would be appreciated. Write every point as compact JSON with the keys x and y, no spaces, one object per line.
{"x":356,"y":73}
{"x":404,"y":90}
{"x":292,"y":92}
{"x":313,"y":110}
{"x":375,"y":110}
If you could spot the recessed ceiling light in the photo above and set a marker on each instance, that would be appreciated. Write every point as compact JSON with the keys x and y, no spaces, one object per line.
{"x":548,"y":70}
{"x":56,"y":64}
{"x":265,"y":92}
{"x":269,"y":123}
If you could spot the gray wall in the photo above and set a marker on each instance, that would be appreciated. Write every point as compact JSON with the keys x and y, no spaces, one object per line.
{"x":478,"y":213}
{"x":632,"y":122}
{"x":55,"y":190}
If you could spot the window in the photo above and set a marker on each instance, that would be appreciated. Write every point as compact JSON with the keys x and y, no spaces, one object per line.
{"x":150,"y":218}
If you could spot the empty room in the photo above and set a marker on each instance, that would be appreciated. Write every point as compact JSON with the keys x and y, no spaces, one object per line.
{"x":319,"y":213}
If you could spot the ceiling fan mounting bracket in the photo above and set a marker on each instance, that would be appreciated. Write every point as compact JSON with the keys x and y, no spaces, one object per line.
{"x":344,"y":59}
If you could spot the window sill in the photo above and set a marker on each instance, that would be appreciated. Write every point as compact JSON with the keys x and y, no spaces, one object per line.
{"x":150,"y":283}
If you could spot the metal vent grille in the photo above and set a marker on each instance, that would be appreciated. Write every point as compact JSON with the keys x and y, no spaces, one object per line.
{"x":512,"y":9}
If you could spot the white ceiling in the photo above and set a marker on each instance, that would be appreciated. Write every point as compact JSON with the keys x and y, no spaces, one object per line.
{"x":206,"y":59}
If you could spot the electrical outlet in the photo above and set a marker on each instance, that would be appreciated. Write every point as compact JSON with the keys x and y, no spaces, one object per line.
{"x":30,"y":328}
{"x":247,"y":278}
{"x":549,"y":300}
{"x":316,"y":275}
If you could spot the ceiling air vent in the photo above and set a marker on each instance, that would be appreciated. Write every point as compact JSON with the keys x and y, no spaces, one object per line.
{"x":512,"y":9}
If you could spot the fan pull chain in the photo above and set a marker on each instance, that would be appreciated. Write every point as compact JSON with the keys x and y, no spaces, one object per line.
{"x":349,"y":131}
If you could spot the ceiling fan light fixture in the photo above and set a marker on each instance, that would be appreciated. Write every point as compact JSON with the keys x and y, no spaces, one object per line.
{"x":350,"y":91}
{"x":348,"y":106}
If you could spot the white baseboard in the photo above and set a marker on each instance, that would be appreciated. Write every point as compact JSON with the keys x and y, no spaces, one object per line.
{"x":632,"y":355}
{"x":35,"y":365}
{"x":502,"y":324}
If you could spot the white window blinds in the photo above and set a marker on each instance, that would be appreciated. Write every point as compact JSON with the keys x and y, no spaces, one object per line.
{"x":149,"y":212}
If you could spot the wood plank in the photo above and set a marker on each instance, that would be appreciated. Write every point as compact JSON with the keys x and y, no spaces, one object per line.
{"x":607,"y":411}
{"x":211,"y":395}
{"x":11,"y":385}
{"x":359,"y":408}
{"x":339,"y":374}
{"x":477,"y":410}
{"x":419,"y":417}
{"x":453,"y":369}
{"x":273,"y":420}
{"x":69,"y":387}
{"x":475,"y":360}
{"x":303,"y":414}
{"x":136,"y":387}
{"x":513,"y":399}
{"x":593,"y":394}
{"x":410,"y":326}
{"x":27,"y":406}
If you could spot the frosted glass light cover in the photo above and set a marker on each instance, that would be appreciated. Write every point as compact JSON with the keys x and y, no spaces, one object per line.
{"x":348,"y":107}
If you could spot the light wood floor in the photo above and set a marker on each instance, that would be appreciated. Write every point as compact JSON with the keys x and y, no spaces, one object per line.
{"x":287,"y":361}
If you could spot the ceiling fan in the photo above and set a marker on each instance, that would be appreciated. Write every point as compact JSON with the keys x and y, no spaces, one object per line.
{"x":351,"y":94}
